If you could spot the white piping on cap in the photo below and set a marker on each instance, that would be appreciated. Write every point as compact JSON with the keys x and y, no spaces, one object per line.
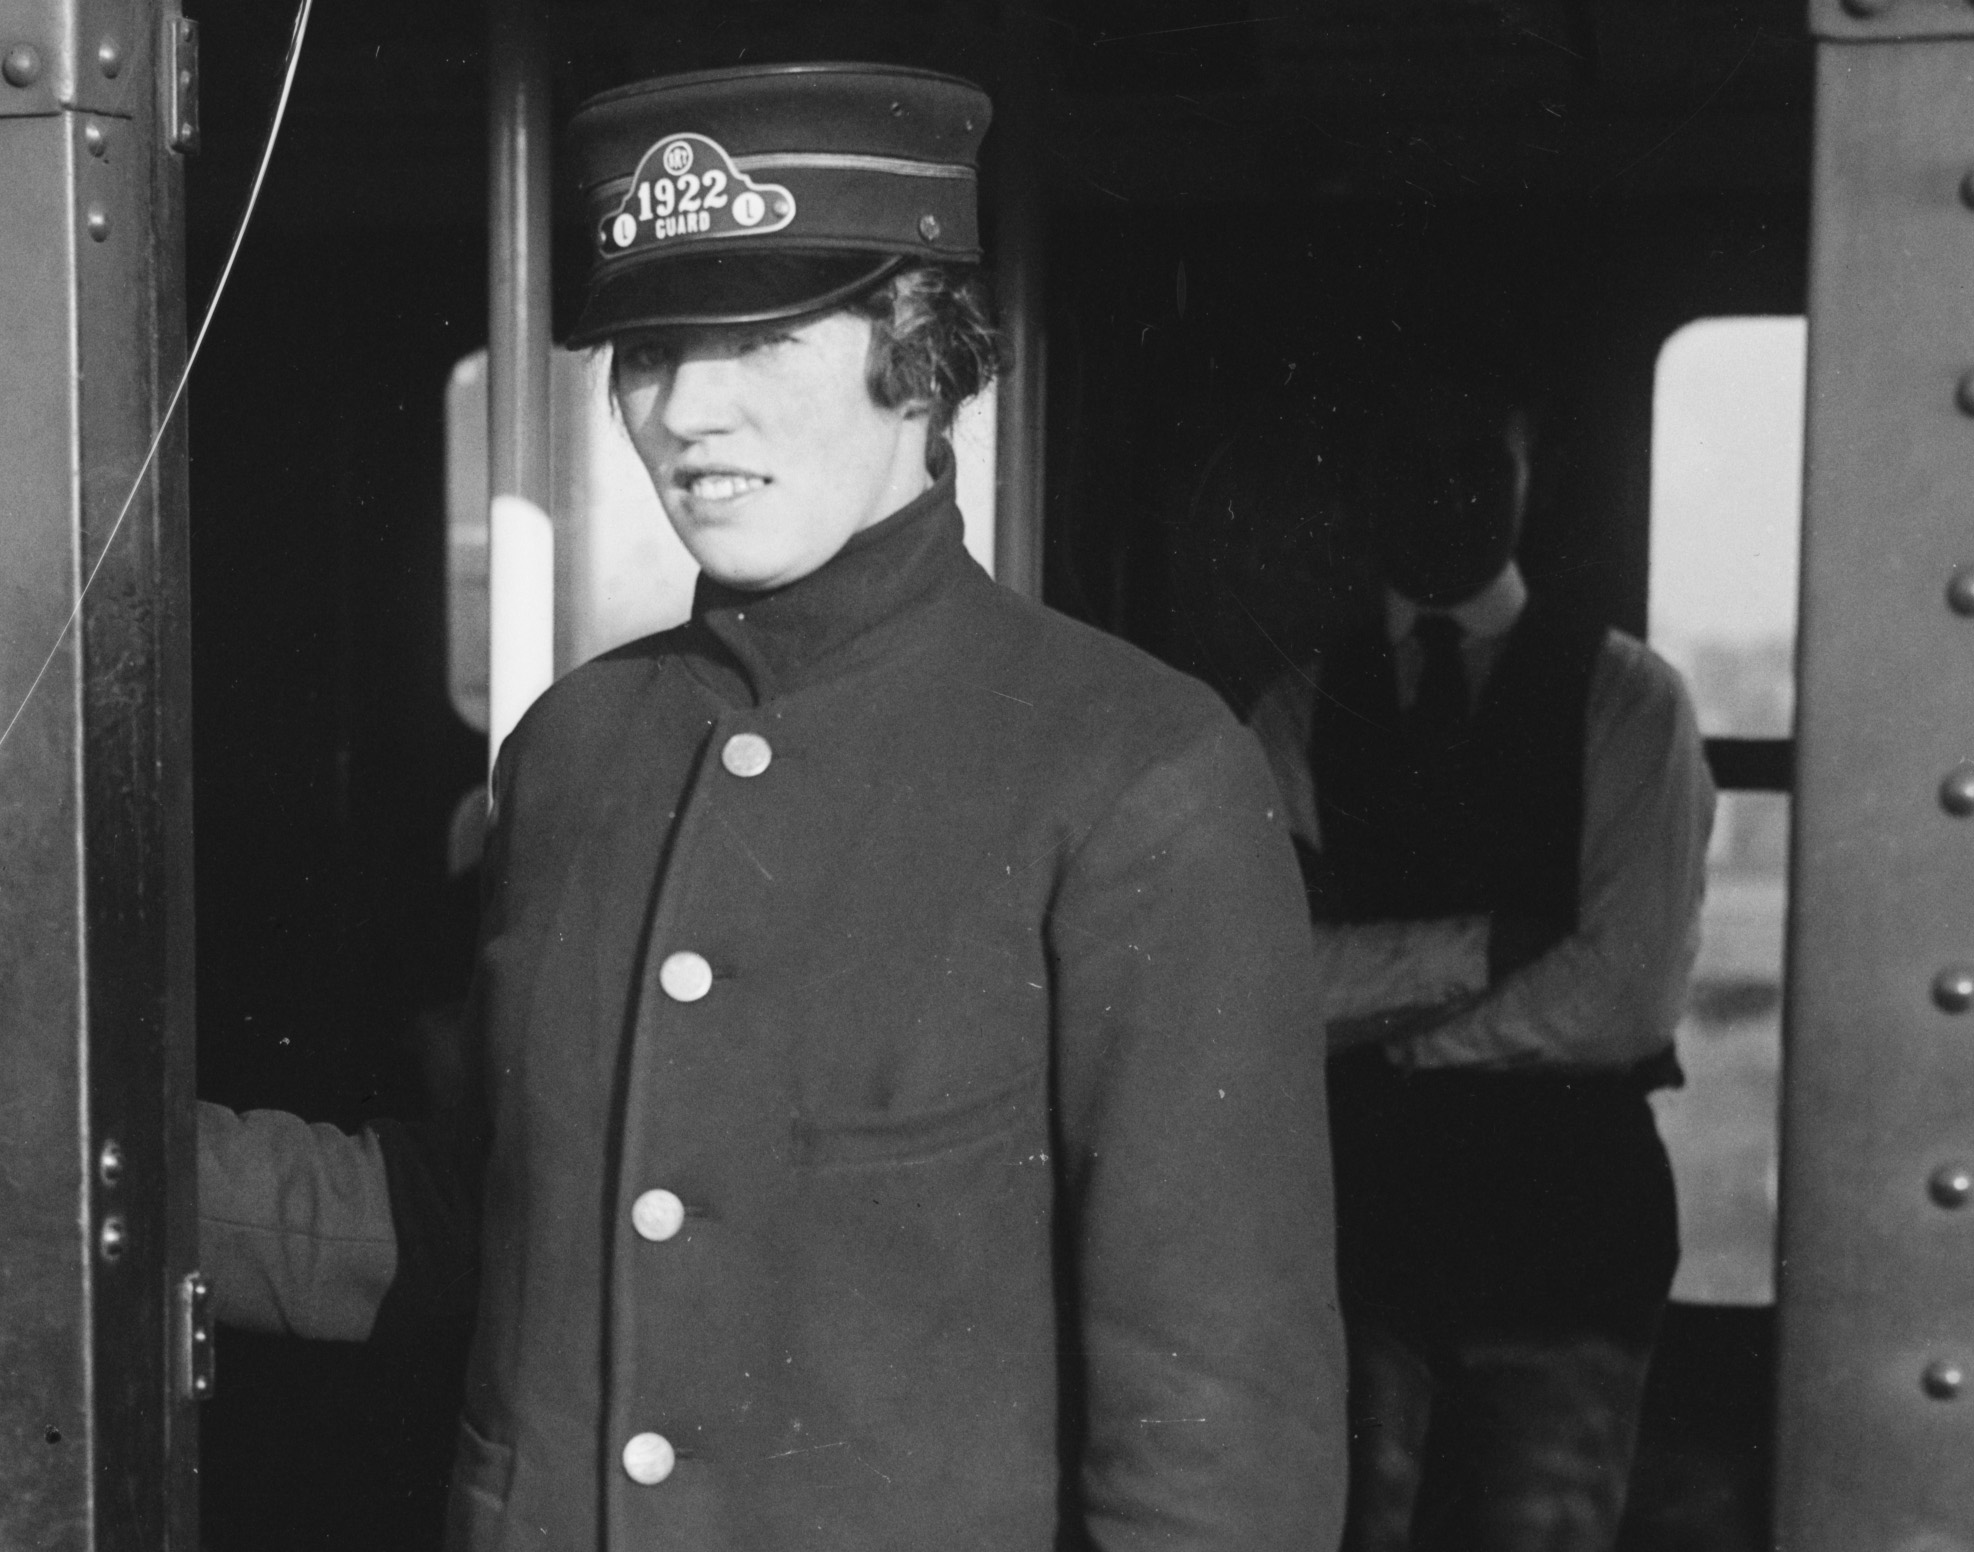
{"x":849,"y":161}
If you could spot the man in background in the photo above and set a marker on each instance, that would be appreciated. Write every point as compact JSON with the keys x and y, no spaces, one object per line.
{"x":1502,"y":813}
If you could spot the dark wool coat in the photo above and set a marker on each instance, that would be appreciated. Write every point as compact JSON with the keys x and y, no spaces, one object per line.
{"x":1000,"y":1131}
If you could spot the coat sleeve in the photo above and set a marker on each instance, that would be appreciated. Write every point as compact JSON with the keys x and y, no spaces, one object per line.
{"x":1195,"y":1163}
{"x":306,"y":1230}
{"x":295,"y":1226}
{"x":311,"y":1231}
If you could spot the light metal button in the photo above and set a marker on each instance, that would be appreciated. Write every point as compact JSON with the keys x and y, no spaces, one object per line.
{"x":746,"y":754}
{"x":1953,"y":989}
{"x":657,"y":1215}
{"x":1951,"y":1185}
{"x":1943,"y":1379}
{"x":686,"y":977}
{"x":649,"y":1458}
{"x":1957,"y":790}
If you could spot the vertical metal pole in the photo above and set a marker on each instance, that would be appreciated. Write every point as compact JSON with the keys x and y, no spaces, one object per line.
{"x":1876,"y":1424}
{"x":97,"y":1214}
{"x":1020,"y":245}
{"x":521,"y":547}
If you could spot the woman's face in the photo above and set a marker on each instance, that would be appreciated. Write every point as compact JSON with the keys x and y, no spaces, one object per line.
{"x":763,"y":441}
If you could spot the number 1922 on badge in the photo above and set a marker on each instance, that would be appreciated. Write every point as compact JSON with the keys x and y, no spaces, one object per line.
{"x":687,"y":186}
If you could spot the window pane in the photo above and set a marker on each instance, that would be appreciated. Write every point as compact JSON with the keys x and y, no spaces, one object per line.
{"x":1727,"y":447}
{"x":1721,"y":1127}
{"x":1727,"y":460}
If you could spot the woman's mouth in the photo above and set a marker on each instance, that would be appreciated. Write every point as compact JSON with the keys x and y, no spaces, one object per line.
{"x":717,"y":484}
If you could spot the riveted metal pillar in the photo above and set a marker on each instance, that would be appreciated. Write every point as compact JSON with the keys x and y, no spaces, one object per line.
{"x":1877,"y":1276}
{"x":97,"y":1216}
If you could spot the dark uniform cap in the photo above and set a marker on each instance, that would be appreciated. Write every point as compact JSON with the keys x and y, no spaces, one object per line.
{"x":737,"y":196}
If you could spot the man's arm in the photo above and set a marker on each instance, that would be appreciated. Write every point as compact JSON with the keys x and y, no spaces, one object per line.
{"x":1610,"y":994}
{"x":1380,"y":981}
{"x":295,"y":1228}
{"x":1195,"y":1169}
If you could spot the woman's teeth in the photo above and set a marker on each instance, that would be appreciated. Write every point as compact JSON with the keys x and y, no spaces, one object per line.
{"x":723,"y":487}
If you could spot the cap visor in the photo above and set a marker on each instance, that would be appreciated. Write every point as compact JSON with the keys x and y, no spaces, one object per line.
{"x":726,"y":288}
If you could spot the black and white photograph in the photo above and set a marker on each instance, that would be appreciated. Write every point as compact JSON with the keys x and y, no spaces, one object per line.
{"x":986,"y":776}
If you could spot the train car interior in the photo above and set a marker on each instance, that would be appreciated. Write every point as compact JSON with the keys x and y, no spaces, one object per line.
{"x":1237,"y":233}
{"x":1259,"y":222}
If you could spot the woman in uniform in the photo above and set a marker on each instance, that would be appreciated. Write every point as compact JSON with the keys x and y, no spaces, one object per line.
{"x":895,"y":1118}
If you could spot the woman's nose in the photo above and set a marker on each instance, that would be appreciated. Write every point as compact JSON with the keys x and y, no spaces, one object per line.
{"x":702,"y":399}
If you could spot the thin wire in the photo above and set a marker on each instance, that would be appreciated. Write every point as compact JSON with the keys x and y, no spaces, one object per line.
{"x":191,"y":356}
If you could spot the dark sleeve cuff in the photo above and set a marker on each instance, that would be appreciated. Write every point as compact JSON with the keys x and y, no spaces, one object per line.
{"x":436,"y":1288}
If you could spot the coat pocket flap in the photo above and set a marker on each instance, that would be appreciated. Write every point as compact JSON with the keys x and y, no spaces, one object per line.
{"x":916,"y":1136}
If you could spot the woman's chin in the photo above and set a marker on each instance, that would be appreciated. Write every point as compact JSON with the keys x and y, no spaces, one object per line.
{"x":751,"y":570}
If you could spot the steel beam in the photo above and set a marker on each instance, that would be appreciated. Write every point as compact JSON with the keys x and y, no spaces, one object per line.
{"x":1877,"y":1274}
{"x":98,"y":1448}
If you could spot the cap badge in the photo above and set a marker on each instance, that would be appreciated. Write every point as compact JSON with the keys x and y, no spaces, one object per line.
{"x":685,"y":187}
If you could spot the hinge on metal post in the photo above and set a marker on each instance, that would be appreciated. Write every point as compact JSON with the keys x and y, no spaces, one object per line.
{"x":180,"y":83}
{"x":195,"y":1345}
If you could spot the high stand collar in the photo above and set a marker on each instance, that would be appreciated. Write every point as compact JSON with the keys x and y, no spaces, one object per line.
{"x":793,"y":635}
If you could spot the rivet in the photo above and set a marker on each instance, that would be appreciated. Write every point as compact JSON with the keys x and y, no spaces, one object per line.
{"x":1953,"y":989}
{"x":928,"y":228}
{"x":98,"y":222}
{"x":112,"y":1239}
{"x":1957,"y":791}
{"x":110,"y":58}
{"x":897,"y":110}
{"x":94,"y":139}
{"x":22,"y":66}
{"x":109,"y":1163}
{"x":1944,"y":1379}
{"x":1951,"y":1185}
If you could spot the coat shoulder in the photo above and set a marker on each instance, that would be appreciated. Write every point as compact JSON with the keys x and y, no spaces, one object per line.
{"x":579,"y":717}
{"x":1102,"y":682}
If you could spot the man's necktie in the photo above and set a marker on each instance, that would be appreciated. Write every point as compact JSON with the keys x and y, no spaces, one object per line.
{"x":1439,"y":712}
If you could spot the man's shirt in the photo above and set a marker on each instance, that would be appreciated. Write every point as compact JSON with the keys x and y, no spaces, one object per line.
{"x":1610,"y":994}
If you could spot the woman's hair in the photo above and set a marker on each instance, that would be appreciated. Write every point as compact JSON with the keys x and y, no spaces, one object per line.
{"x":932,"y":339}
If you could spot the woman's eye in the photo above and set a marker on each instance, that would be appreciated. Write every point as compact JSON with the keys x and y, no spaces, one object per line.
{"x":644,"y":359}
{"x":765,"y":342}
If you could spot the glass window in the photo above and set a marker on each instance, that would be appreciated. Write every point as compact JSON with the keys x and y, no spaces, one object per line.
{"x":1727,"y":447}
{"x":1727,"y":501}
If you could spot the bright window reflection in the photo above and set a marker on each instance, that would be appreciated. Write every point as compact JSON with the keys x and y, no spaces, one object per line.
{"x":1727,"y":449}
{"x":1727,"y":505}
